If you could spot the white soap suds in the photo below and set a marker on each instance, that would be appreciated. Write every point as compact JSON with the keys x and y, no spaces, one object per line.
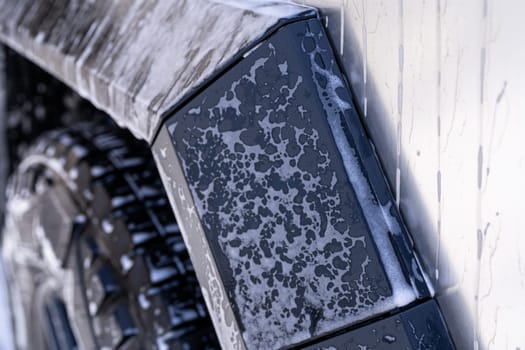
{"x":73,"y":173}
{"x":107,"y":226}
{"x":80,"y":151}
{"x":161,"y":274}
{"x":281,"y":327}
{"x":126,"y":263}
{"x":389,"y":338}
{"x":92,"y":308}
{"x":141,"y":237}
{"x":283,"y":67}
{"x":97,"y":171}
{"x":143,"y":301}
{"x":117,"y":202}
{"x":378,"y":217}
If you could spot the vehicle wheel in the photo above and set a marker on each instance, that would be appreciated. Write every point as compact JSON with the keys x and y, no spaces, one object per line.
{"x":93,"y":255}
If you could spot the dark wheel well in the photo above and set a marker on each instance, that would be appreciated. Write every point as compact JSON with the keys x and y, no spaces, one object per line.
{"x":122,"y":245}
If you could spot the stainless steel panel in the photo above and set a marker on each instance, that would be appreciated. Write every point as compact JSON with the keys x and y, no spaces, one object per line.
{"x":441,"y":85}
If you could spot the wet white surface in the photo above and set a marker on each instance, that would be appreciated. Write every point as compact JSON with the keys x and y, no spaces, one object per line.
{"x":441,"y":86}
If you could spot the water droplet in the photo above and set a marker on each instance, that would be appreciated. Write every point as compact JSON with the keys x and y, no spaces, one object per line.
{"x":389,"y":339}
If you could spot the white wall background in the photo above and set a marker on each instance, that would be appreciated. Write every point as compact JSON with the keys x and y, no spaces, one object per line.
{"x":442,"y":88}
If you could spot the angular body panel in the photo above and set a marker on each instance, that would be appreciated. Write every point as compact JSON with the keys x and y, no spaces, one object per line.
{"x":277,"y":183}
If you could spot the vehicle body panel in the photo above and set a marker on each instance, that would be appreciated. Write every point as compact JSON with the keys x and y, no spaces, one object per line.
{"x":278,"y":192}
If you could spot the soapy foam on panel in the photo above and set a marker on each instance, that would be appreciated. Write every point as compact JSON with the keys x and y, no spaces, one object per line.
{"x":270,"y":311}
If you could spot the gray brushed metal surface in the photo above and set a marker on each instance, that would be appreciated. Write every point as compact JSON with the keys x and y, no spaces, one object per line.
{"x":135,"y":59}
{"x":283,"y":209}
{"x":441,"y":85}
